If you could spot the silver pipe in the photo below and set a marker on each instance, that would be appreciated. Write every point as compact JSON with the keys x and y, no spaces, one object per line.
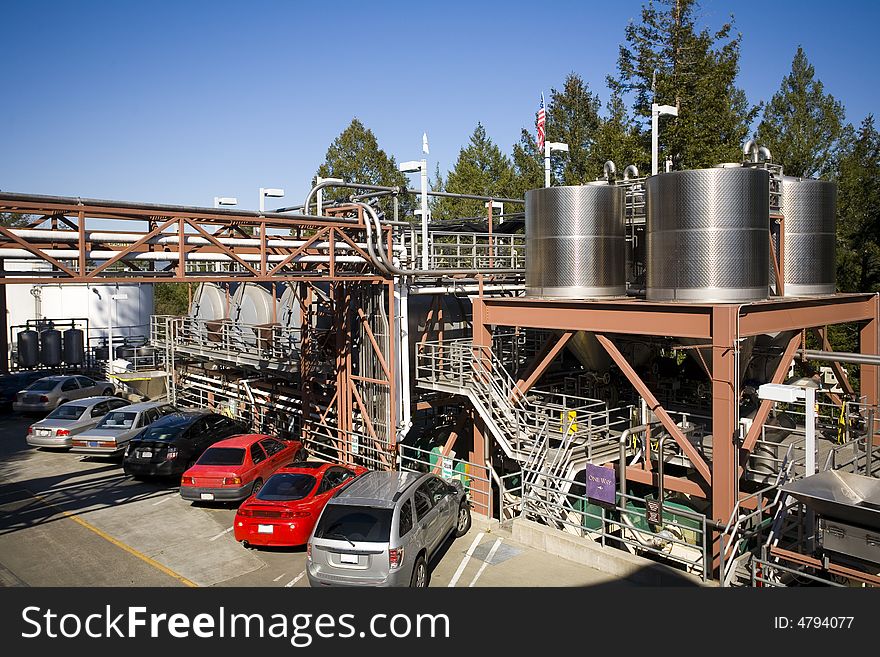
{"x":631,"y":170}
{"x":624,"y":437}
{"x":393,"y":269}
{"x":124,"y":238}
{"x":750,"y":149}
{"x":474,"y":197}
{"x":764,"y":154}
{"x":610,"y":170}
{"x":840,"y":357}
{"x":161,"y":256}
{"x":160,"y":209}
{"x":473,"y":288}
{"x":331,"y":183}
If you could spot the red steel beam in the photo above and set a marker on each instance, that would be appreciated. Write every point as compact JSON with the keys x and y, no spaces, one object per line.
{"x":677,"y":484}
{"x":839,"y":371}
{"x":766,"y":404}
{"x":868,"y":344}
{"x":542,"y":361}
{"x":725,"y":403}
{"x":631,"y":316}
{"x":770,"y":317}
{"x":28,"y":247}
{"x":668,"y":423}
{"x":131,"y":247}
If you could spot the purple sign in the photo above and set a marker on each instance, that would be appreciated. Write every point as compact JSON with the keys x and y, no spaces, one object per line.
{"x":601,"y":486}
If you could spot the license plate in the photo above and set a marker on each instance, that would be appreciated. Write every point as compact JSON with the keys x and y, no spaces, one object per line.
{"x":44,"y":432}
{"x":93,"y":443}
{"x":146,"y":455}
{"x":207,"y":496}
{"x":348,"y":558}
{"x":264,"y":529}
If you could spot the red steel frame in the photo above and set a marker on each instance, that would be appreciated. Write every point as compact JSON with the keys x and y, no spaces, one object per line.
{"x":720,"y":325}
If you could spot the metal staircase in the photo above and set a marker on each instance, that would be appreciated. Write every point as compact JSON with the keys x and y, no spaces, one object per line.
{"x":547,"y":433}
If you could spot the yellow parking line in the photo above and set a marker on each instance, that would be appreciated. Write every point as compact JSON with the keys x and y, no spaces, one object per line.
{"x":140,"y":555}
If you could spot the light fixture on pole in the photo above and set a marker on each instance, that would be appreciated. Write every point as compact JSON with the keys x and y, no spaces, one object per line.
{"x":550,"y":146}
{"x":421,"y":166}
{"x":225,"y":200}
{"x":656,"y":111}
{"x":269,"y":192}
{"x":780,"y":392}
{"x":111,"y":356}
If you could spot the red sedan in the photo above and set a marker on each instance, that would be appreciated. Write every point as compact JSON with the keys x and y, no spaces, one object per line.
{"x":235,"y":468}
{"x":285,"y":509}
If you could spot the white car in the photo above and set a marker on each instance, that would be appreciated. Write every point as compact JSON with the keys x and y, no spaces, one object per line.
{"x":58,"y":428}
{"x":111,"y":435}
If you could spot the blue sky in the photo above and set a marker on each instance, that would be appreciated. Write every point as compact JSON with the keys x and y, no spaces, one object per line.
{"x":178,"y":102}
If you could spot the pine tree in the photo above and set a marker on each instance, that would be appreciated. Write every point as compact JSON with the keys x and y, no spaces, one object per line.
{"x":572,"y":118}
{"x":618,"y":140}
{"x":667,"y":59}
{"x":858,"y":211}
{"x":528,"y":165}
{"x":355,"y":156}
{"x":482,"y":169}
{"x":802,"y":125}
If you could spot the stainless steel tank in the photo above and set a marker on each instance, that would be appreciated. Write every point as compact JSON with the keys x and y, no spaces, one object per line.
{"x":575,"y":242}
{"x":707,"y":235}
{"x":810,"y":210}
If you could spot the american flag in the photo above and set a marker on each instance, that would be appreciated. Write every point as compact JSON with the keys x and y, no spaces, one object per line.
{"x":541,"y":119}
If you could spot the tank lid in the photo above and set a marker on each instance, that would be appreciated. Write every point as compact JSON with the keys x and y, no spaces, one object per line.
{"x":728,"y":165}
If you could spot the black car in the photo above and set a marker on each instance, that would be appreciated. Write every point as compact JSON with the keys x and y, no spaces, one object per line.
{"x":172,"y":444}
{"x":14,"y":381}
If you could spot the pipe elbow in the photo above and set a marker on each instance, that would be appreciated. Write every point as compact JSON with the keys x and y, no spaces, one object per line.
{"x":609,"y":169}
{"x":630,"y":171}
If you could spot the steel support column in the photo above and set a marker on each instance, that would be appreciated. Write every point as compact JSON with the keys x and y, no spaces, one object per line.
{"x":480,"y":449}
{"x":868,"y":344}
{"x":725,"y":409}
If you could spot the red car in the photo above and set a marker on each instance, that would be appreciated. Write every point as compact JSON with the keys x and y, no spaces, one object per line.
{"x":285,"y":509}
{"x":233,"y":469}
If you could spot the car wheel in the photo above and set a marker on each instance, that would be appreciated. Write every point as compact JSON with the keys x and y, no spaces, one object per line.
{"x":258,"y":484}
{"x":108,"y":392}
{"x":420,"y":574}
{"x":463,"y":521}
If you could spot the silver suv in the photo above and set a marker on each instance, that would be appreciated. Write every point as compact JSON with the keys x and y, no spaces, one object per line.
{"x":383,"y":529}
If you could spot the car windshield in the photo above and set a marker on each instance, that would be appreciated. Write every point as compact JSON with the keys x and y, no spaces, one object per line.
{"x":43,"y":385}
{"x":222,"y":456}
{"x":284,"y":487}
{"x":162,"y":433}
{"x":66,"y":412}
{"x":355,"y":523}
{"x":117,"y":420}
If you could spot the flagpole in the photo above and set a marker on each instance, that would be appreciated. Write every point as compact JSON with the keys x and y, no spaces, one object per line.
{"x":546,"y":164}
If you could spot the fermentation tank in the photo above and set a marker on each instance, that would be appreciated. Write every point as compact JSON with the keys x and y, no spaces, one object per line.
{"x":50,"y":347}
{"x":810,"y":208}
{"x":707,"y":235}
{"x":28,"y":348}
{"x":575,"y":242}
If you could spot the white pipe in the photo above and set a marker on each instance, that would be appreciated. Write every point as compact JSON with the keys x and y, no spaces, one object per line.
{"x":161,"y":256}
{"x":401,"y":296}
{"x":465,"y":289}
{"x":610,"y":170}
{"x":129,"y":238}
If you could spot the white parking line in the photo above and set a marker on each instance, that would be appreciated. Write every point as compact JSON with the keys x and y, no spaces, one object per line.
{"x":162,"y":501}
{"x":465,"y":559}
{"x":295,"y":579}
{"x":486,"y":562}
{"x":225,"y":531}
{"x":279,"y":577}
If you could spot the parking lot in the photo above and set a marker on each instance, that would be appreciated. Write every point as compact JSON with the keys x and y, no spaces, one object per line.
{"x":73,"y":520}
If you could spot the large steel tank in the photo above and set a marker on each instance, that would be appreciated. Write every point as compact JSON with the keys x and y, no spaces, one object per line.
{"x":707,"y":235}
{"x":575,"y":242}
{"x":810,"y":210}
